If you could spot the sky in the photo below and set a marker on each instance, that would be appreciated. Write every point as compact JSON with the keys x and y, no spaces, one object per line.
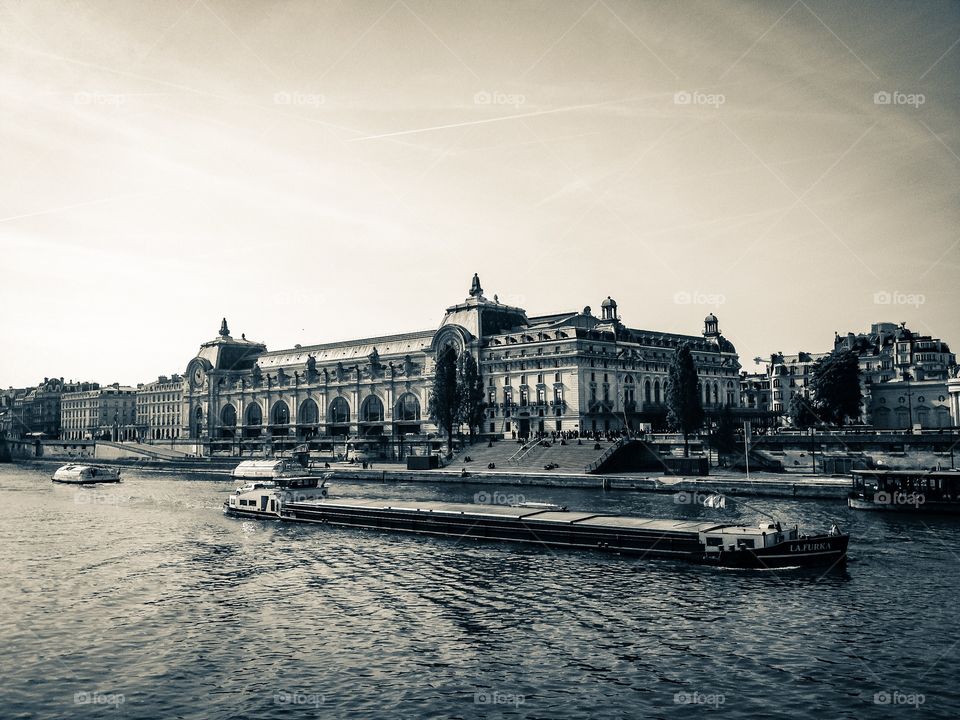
{"x":318,"y":171}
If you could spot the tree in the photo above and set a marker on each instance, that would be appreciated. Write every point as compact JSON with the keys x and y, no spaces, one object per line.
{"x":470,"y":384}
{"x":684,"y":411}
{"x":803,"y":411}
{"x":445,"y":395}
{"x":835,"y":384}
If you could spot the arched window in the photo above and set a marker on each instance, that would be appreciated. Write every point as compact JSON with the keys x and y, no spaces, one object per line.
{"x":309,"y":413}
{"x":716,"y":394}
{"x":646,"y":391}
{"x":629,"y":391}
{"x":407,"y":408}
{"x":228,"y":416}
{"x":339,"y":412}
{"x":280,"y":415}
{"x":372,"y":410}
{"x":254,"y":414}
{"x":656,"y":392}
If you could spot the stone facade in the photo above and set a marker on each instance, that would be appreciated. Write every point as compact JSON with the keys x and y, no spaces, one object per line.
{"x":902,"y":405}
{"x":571,"y":371}
{"x":159,"y":405}
{"x":103,"y":413}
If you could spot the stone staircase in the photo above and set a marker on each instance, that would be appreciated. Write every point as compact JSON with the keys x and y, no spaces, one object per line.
{"x":569,"y":458}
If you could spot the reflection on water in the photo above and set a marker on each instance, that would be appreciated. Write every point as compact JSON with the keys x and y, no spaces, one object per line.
{"x":144,"y":599}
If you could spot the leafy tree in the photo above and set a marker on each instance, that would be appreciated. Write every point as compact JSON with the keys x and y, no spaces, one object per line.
{"x":445,"y":394}
{"x":470,"y":384}
{"x":803,"y":411}
{"x":835,"y":384}
{"x":684,"y":411}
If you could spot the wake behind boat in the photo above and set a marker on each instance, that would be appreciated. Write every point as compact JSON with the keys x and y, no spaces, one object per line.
{"x":767,"y":545}
{"x":86,"y":474}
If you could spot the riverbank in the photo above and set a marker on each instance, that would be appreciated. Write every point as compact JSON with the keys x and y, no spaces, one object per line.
{"x":793,"y":486}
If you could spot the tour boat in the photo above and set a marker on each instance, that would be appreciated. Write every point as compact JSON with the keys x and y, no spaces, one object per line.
{"x":907,"y":491}
{"x":264,"y":498}
{"x":266,"y":469}
{"x":765,"y":546}
{"x":86,"y":474}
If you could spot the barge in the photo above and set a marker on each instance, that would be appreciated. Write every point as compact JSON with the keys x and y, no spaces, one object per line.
{"x":906,"y":491}
{"x":766,"y":546}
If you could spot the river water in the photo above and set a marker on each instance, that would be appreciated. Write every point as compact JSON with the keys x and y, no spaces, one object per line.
{"x":142,"y":600}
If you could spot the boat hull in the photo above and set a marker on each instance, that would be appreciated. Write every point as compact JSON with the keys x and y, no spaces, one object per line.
{"x":929,"y":507}
{"x":96,"y":481}
{"x":818,"y":551}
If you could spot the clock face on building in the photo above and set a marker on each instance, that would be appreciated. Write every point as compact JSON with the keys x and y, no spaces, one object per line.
{"x":197,"y":377}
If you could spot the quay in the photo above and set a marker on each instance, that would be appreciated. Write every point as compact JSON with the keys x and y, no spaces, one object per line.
{"x":733,"y":484}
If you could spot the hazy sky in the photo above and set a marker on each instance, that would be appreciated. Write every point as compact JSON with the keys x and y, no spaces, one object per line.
{"x":318,"y":171}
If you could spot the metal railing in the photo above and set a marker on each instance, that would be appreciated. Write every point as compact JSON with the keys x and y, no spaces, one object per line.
{"x":523,"y":451}
{"x":605,"y":455}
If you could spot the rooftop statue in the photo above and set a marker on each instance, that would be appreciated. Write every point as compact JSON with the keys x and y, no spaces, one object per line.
{"x":224,"y":330}
{"x":475,"y":289}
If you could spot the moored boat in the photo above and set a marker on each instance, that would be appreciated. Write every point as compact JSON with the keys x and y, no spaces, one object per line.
{"x":86,"y":474}
{"x":906,"y":491}
{"x":264,"y":498}
{"x":266,"y":469}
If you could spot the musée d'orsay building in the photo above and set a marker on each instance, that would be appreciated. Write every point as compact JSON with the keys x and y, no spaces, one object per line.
{"x":567,"y":371}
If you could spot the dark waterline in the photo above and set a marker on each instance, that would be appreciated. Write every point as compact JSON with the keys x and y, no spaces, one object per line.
{"x":142,"y":600}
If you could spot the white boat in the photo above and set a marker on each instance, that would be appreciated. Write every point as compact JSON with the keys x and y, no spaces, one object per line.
{"x":86,"y":474}
{"x":267,"y":469}
{"x":265,"y":498}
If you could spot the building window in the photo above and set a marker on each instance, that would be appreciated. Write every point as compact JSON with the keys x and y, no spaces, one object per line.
{"x":408,"y":408}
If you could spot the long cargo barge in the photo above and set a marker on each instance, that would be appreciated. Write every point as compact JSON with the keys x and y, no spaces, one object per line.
{"x":767,"y":545}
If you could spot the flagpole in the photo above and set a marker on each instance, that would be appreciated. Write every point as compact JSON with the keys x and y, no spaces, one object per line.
{"x":746,"y":452}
